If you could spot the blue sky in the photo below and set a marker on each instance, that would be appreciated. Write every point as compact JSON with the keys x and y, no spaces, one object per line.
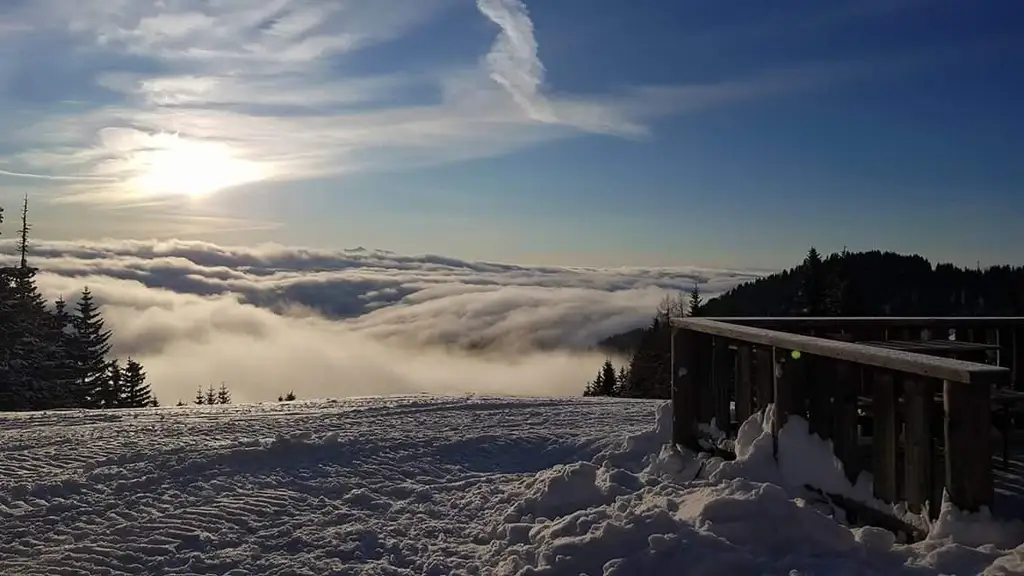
{"x":591,"y":132}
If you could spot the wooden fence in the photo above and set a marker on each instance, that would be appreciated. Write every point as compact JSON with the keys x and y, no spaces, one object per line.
{"x":1004,"y":333}
{"x":930,"y":415}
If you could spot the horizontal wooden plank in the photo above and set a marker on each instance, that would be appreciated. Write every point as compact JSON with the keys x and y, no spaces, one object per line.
{"x":1004,"y":396}
{"x":874,"y":321}
{"x":931,"y":345}
{"x":898,"y":360}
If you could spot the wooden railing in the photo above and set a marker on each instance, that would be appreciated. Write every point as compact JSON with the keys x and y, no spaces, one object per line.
{"x":1006,"y":332}
{"x":930,"y":415}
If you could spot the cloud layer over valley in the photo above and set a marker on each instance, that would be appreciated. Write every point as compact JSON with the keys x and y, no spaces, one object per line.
{"x":354,"y":322}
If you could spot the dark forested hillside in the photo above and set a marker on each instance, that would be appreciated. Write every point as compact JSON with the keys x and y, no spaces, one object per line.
{"x":842,"y":284}
{"x":51,"y":357}
{"x":882,"y":284}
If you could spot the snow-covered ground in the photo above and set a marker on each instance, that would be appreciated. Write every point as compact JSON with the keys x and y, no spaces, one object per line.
{"x":425,"y":485}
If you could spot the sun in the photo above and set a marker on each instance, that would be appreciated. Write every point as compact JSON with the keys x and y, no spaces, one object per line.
{"x":176,"y":166}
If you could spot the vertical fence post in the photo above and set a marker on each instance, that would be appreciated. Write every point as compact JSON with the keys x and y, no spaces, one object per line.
{"x":721,"y":368}
{"x":883,"y":449}
{"x":1017,"y":357}
{"x":702,"y":375}
{"x":765,"y":377}
{"x":788,"y":385}
{"x":744,"y":384}
{"x":844,"y":410}
{"x":684,"y":406}
{"x":917,"y":465}
{"x":819,"y":389}
{"x":968,"y":425}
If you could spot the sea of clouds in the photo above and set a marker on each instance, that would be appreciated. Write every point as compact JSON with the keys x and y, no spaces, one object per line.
{"x":331,"y":323}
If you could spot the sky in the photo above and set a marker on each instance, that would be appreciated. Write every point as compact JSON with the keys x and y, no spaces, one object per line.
{"x":579,"y":132}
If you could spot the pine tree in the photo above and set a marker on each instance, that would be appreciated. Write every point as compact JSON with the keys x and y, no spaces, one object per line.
{"x":180,"y":403}
{"x":110,"y":390}
{"x":200,"y":398}
{"x":696,"y":302}
{"x":32,"y":353}
{"x":62,"y":373}
{"x":211,"y":396}
{"x":136,"y":391}
{"x":648,"y":372}
{"x":23,"y":236}
{"x":607,"y":380}
{"x":90,"y":348}
{"x":223,"y":395}
{"x":811,"y":297}
{"x":289,"y":397}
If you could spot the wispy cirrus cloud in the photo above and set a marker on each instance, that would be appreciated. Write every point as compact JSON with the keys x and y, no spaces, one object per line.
{"x":333,"y":322}
{"x":195,"y":95}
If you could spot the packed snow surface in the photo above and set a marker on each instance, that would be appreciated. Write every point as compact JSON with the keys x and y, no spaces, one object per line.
{"x":426,"y":485}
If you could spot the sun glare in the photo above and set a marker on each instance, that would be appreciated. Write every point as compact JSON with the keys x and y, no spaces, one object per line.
{"x":180,"y":167}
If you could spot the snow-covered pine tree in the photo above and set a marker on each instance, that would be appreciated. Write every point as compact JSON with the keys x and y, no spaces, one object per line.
{"x":136,"y":393}
{"x":200,"y":398}
{"x":90,"y":348}
{"x":211,"y":396}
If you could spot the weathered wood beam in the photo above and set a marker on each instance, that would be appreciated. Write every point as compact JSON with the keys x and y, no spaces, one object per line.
{"x":833,"y":322}
{"x":917,"y":465}
{"x":684,"y":390}
{"x":845,"y":437}
{"x":744,"y":383}
{"x":764,"y":374}
{"x":968,"y":426}
{"x":721,"y":374}
{"x":895,"y":360}
{"x":883,"y":440}
{"x":789,"y":382}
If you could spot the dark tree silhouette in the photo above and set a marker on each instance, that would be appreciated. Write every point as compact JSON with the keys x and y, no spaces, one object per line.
{"x":223,"y":395}
{"x":696,"y":302}
{"x":851,"y":284}
{"x":50,"y":358}
{"x":135,"y":390}
{"x":90,"y":349}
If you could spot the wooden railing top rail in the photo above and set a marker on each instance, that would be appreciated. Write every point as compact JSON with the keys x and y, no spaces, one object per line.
{"x":900,"y":361}
{"x":875,"y":321}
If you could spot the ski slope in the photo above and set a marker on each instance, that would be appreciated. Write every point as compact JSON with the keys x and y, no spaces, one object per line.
{"x":429,"y":485}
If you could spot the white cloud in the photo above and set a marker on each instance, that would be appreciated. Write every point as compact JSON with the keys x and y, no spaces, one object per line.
{"x":334,"y":323}
{"x":264,"y":85}
{"x":513,"y":61}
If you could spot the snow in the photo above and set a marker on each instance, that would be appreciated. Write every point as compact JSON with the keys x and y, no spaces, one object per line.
{"x":440,"y":485}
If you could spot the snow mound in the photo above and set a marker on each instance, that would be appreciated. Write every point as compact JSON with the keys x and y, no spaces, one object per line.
{"x":645,"y":507}
{"x":421,"y":485}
